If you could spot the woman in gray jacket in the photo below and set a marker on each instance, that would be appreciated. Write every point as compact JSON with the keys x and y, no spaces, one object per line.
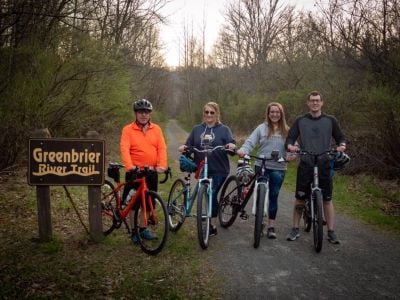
{"x":270,"y":135}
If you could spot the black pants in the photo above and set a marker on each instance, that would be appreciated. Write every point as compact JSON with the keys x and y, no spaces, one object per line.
{"x":151,"y":180}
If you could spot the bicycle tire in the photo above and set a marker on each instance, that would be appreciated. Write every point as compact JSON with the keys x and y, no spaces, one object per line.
{"x":229,"y":202}
{"x":109,"y":217}
{"x":176,"y":205}
{"x":318,"y":228}
{"x":258,"y":226}
{"x":157,"y":225}
{"x":203,"y":222}
{"x":307,"y":217}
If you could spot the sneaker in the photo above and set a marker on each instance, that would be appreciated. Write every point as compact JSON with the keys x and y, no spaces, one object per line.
{"x":134,"y":238}
{"x":271,"y":233}
{"x":332,"y":238}
{"x":213,"y":230}
{"x":293,"y":235}
{"x":146,"y":234}
{"x":243,"y":215}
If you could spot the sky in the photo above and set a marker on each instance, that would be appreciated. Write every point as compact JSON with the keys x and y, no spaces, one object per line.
{"x":179,"y":12}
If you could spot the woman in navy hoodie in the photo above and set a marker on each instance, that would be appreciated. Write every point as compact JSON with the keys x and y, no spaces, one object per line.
{"x":218,"y":162}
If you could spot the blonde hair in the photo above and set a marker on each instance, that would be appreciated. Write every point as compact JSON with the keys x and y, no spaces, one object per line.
{"x":215,"y":107}
{"x":283,"y":128}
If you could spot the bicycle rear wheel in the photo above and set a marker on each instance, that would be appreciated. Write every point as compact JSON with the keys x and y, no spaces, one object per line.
{"x":176,"y":205}
{"x":109,"y":212}
{"x":153,"y":240}
{"x":229,"y":202}
{"x":318,"y":229}
{"x":203,"y":222}
{"x":258,"y":226}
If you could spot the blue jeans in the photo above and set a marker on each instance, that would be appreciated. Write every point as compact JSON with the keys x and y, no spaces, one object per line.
{"x":276,"y":178}
{"x":217,"y":182}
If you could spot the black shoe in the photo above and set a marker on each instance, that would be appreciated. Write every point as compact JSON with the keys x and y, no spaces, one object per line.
{"x":243,"y":215}
{"x":213,"y":230}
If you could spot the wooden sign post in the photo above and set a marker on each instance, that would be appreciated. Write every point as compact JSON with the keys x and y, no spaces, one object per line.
{"x":67,"y":162}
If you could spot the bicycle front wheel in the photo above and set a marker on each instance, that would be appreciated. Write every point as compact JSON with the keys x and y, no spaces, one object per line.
{"x":229,"y":202}
{"x":203,"y":222}
{"x":109,"y":217}
{"x":307,"y":216}
{"x":176,"y":205}
{"x":152,"y":237}
{"x":318,"y":229}
{"x":258,"y":226}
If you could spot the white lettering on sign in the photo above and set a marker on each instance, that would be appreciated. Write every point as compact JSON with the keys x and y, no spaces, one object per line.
{"x":72,"y":156}
{"x":46,"y":169}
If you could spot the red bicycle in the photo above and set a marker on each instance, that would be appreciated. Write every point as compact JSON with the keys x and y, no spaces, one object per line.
{"x":149,"y":209}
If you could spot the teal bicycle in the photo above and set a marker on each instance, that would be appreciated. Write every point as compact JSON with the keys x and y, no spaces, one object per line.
{"x":181,"y":198}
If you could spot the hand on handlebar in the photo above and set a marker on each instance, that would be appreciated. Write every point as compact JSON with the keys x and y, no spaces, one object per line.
{"x":290,"y":156}
{"x":182,"y":148}
{"x":293,"y":148}
{"x":341,"y":148}
{"x":160,"y":169}
{"x":241,"y":153}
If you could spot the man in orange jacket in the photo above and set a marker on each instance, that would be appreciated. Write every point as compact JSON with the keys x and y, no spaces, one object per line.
{"x":143,"y":145}
{"x":142,"y":142}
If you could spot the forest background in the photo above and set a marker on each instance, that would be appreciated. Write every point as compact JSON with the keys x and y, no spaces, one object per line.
{"x":77,"y":65}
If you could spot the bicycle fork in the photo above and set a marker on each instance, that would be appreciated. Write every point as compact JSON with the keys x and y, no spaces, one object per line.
{"x":314,"y":187}
{"x":208,"y":182}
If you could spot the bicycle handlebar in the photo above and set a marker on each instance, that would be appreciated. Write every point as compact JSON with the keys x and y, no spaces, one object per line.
{"x":167,"y":173}
{"x":262,"y":158}
{"x":305,"y":152}
{"x":144,"y":170}
{"x":192,"y":148}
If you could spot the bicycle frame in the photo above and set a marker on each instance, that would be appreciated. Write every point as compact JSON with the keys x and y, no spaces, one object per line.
{"x":140,"y":193}
{"x":201,"y":181}
{"x":205,"y":180}
{"x":141,"y":190}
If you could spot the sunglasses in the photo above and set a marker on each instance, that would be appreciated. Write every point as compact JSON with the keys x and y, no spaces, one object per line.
{"x":209,"y":112}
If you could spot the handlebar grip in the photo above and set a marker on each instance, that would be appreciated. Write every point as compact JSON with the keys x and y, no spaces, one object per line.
{"x":167,"y":173}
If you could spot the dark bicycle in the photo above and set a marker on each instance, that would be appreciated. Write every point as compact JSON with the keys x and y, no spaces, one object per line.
{"x":313,"y":212}
{"x":237,"y":191}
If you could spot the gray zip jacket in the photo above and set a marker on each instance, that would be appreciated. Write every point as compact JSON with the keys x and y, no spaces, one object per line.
{"x":259,"y":136}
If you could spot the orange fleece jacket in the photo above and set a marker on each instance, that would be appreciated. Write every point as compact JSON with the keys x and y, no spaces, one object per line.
{"x":141,"y":149}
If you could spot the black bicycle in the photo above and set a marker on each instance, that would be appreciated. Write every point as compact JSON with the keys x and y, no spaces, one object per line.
{"x":313,"y":212}
{"x":237,"y":190}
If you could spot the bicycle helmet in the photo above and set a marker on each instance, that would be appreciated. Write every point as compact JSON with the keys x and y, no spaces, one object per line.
{"x":186,"y":164}
{"x":340,"y":161}
{"x":244,"y":172}
{"x":142,"y":104}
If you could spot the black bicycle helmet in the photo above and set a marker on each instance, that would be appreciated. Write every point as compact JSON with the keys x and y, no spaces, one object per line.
{"x":142,"y":104}
{"x":340,"y":161}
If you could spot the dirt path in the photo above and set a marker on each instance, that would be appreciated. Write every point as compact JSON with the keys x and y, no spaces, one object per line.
{"x":364,"y":266}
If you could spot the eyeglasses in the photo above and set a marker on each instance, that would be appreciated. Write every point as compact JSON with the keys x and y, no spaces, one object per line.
{"x":209,"y":112}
